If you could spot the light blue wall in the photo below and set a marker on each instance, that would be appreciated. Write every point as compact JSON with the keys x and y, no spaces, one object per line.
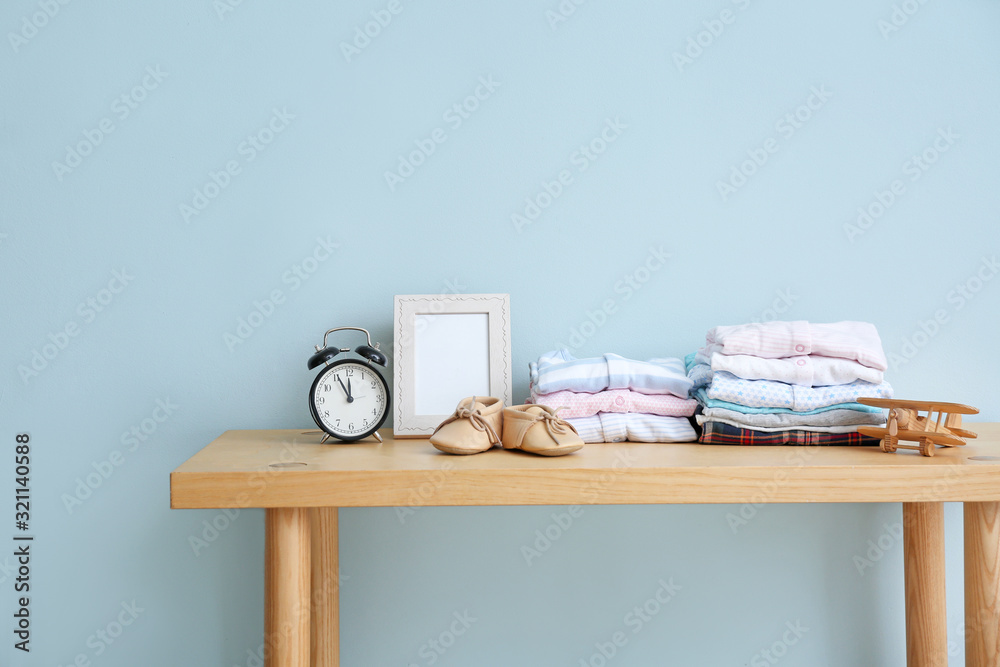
{"x":220,"y":76}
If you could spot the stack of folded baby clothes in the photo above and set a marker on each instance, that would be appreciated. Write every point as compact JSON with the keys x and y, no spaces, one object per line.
{"x":793,"y":383}
{"x":613,"y":399}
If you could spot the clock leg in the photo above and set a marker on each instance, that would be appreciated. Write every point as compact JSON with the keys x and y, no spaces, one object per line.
{"x":286,"y":587}
{"x":325,"y":588}
{"x":378,"y":436}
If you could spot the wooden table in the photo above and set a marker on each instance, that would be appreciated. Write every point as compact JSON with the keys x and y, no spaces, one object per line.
{"x":302,"y":483}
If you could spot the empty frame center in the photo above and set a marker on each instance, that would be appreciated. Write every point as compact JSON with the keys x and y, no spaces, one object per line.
{"x":451,"y":353}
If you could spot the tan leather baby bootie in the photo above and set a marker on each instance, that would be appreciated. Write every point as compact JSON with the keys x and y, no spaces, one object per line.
{"x":473,"y":428}
{"x":537,"y":429}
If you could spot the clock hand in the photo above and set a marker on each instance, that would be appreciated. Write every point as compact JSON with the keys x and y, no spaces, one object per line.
{"x":350,"y":398}
{"x":347,"y":391}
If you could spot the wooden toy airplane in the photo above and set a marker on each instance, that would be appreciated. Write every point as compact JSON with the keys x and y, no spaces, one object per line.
{"x":905,"y":423}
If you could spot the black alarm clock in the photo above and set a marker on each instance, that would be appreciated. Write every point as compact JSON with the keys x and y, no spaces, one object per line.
{"x":349,"y":398}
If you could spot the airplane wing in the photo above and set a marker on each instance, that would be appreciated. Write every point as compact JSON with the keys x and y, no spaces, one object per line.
{"x":927,"y":406}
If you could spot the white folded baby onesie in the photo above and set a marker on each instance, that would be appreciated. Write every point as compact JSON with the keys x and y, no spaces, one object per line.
{"x":633,"y":426}
{"x":810,"y":370}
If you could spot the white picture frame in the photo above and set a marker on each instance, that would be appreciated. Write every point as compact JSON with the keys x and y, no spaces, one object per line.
{"x":447,"y":347}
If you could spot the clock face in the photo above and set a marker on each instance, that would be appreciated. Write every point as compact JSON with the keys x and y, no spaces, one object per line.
{"x":349,"y":400}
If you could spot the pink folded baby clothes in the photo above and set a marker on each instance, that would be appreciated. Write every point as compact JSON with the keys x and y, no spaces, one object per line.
{"x":771,"y":340}
{"x":580,"y":404}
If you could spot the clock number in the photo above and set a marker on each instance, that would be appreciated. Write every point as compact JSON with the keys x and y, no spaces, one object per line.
{"x":374,"y":385}
{"x":366,"y":423}
{"x":326,"y":387}
{"x":374,"y":412}
{"x":326,"y":413}
{"x":351,"y":426}
{"x":338,"y":422}
{"x":321,"y":400}
{"x":349,"y":371}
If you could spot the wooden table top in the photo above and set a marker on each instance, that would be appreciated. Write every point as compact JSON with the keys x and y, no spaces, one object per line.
{"x":289,"y":468}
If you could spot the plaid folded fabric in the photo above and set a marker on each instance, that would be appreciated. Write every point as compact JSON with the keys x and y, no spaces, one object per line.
{"x":717,"y":433}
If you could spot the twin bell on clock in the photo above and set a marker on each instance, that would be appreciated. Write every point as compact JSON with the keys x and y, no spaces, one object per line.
{"x":349,"y":398}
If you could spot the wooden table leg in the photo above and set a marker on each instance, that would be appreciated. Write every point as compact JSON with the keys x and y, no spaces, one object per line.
{"x":325,"y":588}
{"x":982,"y":584}
{"x":286,"y":587}
{"x":923,"y":566}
